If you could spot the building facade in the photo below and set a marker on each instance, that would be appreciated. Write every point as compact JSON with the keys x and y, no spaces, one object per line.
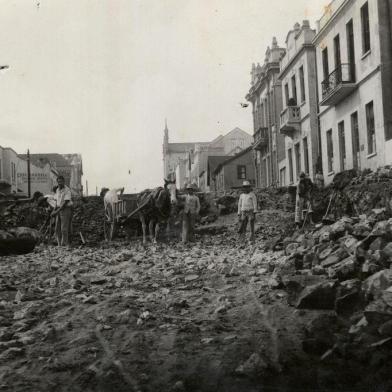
{"x":68,"y":165}
{"x":298,"y":119}
{"x":42,"y":178}
{"x":232,"y":172}
{"x":175,"y":154}
{"x":353,"y":52}
{"x":8,"y":170}
{"x":265,"y":95}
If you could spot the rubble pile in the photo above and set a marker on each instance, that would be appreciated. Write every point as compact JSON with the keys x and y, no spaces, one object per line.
{"x":88,"y":218}
{"x":344,"y":269}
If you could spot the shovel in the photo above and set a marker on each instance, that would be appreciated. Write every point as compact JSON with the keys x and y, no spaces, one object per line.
{"x":326,"y":220}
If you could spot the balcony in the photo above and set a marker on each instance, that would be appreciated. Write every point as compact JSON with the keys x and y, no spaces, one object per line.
{"x":339,"y":84}
{"x":290,"y":121}
{"x":260,"y":138}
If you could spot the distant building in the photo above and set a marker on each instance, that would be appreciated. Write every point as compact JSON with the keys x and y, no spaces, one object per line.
{"x":187,"y":162}
{"x":354,"y":72}
{"x":8,"y":170}
{"x":68,"y":165}
{"x":298,"y":119}
{"x":174,"y":153}
{"x":43,"y":177}
{"x":209,"y":176}
{"x":232,"y":172}
{"x":265,"y":95}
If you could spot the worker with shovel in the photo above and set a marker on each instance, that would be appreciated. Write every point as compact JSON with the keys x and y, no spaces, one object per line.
{"x":303,"y":201}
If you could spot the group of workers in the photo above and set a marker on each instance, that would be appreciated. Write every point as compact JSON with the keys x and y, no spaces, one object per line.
{"x":247,"y":204}
{"x":60,"y":207}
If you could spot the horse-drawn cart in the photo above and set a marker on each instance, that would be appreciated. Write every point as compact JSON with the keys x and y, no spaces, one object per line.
{"x":117,"y":213}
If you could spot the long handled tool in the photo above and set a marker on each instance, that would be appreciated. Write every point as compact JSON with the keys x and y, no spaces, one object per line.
{"x":325,"y":217}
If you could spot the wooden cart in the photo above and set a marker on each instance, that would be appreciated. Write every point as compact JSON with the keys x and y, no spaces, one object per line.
{"x":115,"y":215}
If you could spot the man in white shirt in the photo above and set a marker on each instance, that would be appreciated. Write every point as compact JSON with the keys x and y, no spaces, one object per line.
{"x":191,"y":211}
{"x":63,"y":212}
{"x":247,"y":208}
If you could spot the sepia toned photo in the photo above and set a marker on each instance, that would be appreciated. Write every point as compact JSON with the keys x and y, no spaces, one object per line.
{"x":196,"y":196}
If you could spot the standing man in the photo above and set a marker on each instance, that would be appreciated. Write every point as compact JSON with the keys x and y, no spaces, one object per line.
{"x":247,"y":208}
{"x":63,"y":212}
{"x":303,"y":199}
{"x":190,"y":213}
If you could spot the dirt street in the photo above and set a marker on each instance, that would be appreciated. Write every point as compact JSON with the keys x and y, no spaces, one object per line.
{"x":168,"y":317}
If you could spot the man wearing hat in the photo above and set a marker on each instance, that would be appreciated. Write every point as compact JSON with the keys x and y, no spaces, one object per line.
{"x":303,"y":199}
{"x":247,"y":208}
{"x":191,"y":211}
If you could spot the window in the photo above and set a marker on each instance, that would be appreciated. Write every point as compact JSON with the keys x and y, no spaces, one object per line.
{"x":355,"y":140}
{"x":302,"y":84}
{"x":297,"y":159}
{"x":286,"y":93}
{"x":365,"y":28}
{"x":283,"y":176}
{"x":342,"y":146}
{"x":325,"y":63}
{"x":330,"y":150}
{"x":306,"y":154}
{"x":371,"y":132}
{"x":261,"y":115}
{"x":290,"y":155}
{"x":351,"y":49}
{"x":336,"y":47}
{"x":294,"y":88}
{"x":241,"y":172}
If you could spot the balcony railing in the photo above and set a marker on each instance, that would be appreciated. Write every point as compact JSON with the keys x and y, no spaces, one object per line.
{"x":339,"y":84}
{"x":260,"y":138}
{"x":290,"y":120}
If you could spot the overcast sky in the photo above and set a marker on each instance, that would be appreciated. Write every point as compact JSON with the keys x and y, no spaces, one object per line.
{"x":98,"y":77}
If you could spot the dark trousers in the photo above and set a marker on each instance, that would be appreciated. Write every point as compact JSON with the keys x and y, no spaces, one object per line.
{"x":188,"y":226}
{"x":245,"y":217}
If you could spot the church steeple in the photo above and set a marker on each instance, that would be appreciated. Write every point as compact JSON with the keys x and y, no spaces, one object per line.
{"x":166,"y":133}
{"x":165,"y":138}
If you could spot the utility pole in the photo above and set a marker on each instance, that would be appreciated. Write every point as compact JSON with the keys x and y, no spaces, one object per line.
{"x":86,"y":188}
{"x":96,"y":191}
{"x":28,"y":174}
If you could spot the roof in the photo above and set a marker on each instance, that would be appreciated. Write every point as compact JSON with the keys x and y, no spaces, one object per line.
{"x":214,"y":161}
{"x":57,"y":159}
{"x":232,"y":158}
{"x":181,"y":147}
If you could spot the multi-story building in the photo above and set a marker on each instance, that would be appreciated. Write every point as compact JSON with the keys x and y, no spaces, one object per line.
{"x":354,"y":72}
{"x":265,"y":95}
{"x":8,"y":170}
{"x":298,"y":119}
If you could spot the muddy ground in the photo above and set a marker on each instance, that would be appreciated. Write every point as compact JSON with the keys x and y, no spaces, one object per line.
{"x":166,"y":317}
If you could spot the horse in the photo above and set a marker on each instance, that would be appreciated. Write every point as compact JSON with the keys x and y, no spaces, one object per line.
{"x":156,"y":206}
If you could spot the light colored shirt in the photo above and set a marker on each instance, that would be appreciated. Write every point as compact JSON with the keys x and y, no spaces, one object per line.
{"x":192,"y":204}
{"x":62,"y":195}
{"x":51,"y":200}
{"x":247,"y":202}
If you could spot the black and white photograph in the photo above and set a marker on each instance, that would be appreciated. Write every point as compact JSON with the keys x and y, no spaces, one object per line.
{"x":196,"y":196}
